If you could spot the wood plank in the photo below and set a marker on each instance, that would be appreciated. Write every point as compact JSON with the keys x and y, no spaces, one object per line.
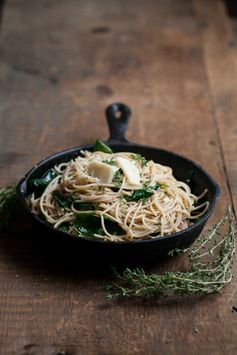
{"x":54,"y":85}
{"x":221,"y":64}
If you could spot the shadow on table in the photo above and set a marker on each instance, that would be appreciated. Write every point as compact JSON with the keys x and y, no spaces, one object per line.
{"x":42,"y":253}
{"x":44,"y":259}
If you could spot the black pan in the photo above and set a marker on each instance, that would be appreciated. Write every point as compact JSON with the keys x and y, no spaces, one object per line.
{"x":140,"y":251}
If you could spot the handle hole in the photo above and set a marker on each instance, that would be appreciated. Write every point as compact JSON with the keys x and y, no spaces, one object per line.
{"x":118,"y":115}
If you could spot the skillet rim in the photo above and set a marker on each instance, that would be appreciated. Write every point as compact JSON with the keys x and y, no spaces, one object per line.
{"x":124,"y":143}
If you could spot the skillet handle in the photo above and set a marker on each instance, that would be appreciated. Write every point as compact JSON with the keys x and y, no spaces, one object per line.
{"x":117,"y":116}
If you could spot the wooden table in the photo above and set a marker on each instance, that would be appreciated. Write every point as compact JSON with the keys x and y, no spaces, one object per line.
{"x":61,"y":63}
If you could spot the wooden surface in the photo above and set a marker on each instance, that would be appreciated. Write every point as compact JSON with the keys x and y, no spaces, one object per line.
{"x":61,"y":63}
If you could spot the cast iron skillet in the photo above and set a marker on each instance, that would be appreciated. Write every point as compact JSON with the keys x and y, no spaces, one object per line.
{"x":140,"y":251}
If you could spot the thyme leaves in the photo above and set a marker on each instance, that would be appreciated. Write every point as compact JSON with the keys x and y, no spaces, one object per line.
{"x":208,"y":273}
{"x":8,"y":206}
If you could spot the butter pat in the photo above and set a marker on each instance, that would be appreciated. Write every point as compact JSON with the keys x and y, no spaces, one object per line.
{"x":130,"y":170}
{"x":102,"y":171}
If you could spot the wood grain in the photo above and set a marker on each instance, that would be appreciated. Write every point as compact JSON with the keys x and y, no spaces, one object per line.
{"x":221,"y":66}
{"x":61,"y":64}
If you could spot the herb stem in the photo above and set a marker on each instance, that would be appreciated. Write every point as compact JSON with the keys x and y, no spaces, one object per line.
{"x":208,"y":273}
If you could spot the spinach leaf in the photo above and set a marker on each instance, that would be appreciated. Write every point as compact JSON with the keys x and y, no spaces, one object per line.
{"x":113,"y":227}
{"x":66,"y":201}
{"x":88,"y":225}
{"x":40,"y":184}
{"x":118,"y":178}
{"x":156,"y":186}
{"x":140,"y":158}
{"x":139,"y":195}
{"x":102,"y":147}
{"x":115,"y":189}
{"x":109,"y":162}
{"x":64,"y":227}
{"x":85,"y":206}
{"x":142,"y":194}
{"x":62,"y":200}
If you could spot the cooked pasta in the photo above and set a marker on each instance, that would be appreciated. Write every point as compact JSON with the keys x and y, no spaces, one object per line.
{"x":116,"y":197}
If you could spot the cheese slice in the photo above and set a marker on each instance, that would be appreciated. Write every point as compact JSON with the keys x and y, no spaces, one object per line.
{"x":103,"y":171}
{"x":130,"y":170}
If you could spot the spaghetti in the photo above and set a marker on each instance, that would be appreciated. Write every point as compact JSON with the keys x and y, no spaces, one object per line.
{"x":86,"y":203}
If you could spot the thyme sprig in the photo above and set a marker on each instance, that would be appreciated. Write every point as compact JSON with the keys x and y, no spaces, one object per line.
{"x":12,"y":215}
{"x":210,"y":268}
{"x":8,"y":206}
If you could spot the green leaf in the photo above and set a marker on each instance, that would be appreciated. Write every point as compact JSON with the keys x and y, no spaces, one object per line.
{"x":102,"y":147}
{"x":113,"y":227}
{"x":209,"y":271}
{"x":139,"y":195}
{"x":8,"y":206}
{"x":64,"y":227}
{"x":85,"y":206}
{"x":109,"y":162}
{"x":12,"y":215}
{"x":118,"y":178}
{"x":62,"y":200}
{"x":142,"y":194}
{"x":40,"y":184}
{"x":155,"y":187}
{"x":88,"y":225}
{"x":140,"y":158}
